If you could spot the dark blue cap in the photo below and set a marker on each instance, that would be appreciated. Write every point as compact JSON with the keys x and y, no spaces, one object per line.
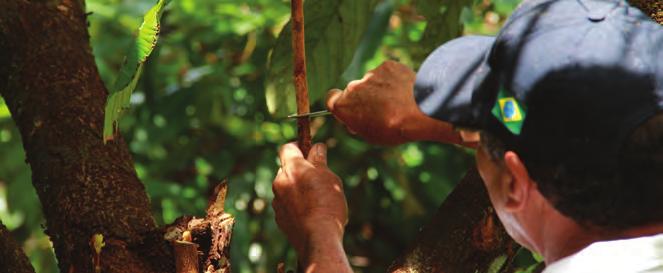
{"x":564,"y":81}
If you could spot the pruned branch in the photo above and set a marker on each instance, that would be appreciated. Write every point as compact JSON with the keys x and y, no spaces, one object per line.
{"x":301,"y":85}
{"x":186,"y":257}
{"x":210,"y":236}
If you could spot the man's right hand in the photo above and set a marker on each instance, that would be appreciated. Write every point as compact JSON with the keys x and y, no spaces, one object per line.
{"x":381,"y":109}
{"x":377,"y":106}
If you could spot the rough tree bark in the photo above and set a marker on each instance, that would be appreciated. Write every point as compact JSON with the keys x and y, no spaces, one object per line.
{"x":51,"y":85}
{"x":12,"y":258}
{"x":464,"y":236}
{"x":50,"y":82}
{"x":653,"y":8}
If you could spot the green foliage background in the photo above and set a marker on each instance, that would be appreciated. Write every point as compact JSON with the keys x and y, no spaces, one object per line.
{"x":199,"y":115}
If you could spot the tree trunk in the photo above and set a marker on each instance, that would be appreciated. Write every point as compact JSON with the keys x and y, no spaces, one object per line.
{"x":464,"y":236}
{"x":12,"y":258}
{"x":51,"y":85}
{"x":50,"y":82}
{"x":653,"y":8}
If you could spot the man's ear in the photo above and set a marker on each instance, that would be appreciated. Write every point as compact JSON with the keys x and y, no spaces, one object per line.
{"x":518,"y":185}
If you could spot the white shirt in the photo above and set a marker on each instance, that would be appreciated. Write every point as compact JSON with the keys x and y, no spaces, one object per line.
{"x":637,"y":255}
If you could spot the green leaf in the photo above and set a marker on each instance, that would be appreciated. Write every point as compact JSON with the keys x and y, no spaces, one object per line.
{"x":497,"y":264}
{"x":443,"y":24}
{"x":125,"y":83}
{"x":4,"y":110}
{"x":333,"y":31}
{"x":371,"y":41}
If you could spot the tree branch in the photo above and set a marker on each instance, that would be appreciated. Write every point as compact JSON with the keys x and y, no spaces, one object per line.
{"x":301,"y":86}
{"x":12,"y":258}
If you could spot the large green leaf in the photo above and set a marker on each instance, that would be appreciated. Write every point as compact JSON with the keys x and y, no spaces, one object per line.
{"x":371,"y":41}
{"x":333,"y":31}
{"x":443,"y":24}
{"x":125,"y":83}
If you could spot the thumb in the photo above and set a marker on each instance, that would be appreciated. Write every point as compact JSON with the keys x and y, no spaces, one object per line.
{"x":332,"y":96}
{"x":318,"y":155}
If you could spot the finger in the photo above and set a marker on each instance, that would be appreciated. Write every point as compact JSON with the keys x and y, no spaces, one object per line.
{"x":332,"y":96}
{"x":280,"y":182}
{"x":348,"y":129}
{"x":388,"y":65}
{"x":293,"y":162}
{"x":353,"y":84}
{"x":458,"y":138}
{"x":469,"y":136}
{"x":318,"y":155}
{"x":289,"y":153}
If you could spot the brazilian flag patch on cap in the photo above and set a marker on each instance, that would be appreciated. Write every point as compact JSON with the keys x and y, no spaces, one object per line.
{"x":509,"y":111}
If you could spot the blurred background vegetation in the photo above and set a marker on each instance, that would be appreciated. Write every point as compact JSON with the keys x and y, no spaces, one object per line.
{"x":199,"y":116}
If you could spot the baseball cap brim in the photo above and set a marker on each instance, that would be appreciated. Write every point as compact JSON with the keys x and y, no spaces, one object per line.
{"x":449,"y":76}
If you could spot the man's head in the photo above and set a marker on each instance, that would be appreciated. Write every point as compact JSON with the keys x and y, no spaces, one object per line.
{"x":597,"y":176}
{"x":626,"y":196}
{"x":568,"y":99}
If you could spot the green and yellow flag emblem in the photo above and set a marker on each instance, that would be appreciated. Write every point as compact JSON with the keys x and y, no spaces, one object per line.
{"x":509,"y":111}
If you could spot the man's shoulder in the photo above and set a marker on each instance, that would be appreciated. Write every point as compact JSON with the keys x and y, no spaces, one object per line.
{"x":635,"y":255}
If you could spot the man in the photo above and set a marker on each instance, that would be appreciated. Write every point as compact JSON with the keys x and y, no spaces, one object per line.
{"x":566,"y":107}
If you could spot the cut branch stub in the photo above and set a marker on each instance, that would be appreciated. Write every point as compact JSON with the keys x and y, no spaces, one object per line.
{"x":210,"y":235}
{"x":186,"y":257}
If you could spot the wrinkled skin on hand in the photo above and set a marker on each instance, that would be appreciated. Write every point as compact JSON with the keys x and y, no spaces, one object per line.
{"x":378,"y":106}
{"x":309,"y":202}
{"x":381,"y":109}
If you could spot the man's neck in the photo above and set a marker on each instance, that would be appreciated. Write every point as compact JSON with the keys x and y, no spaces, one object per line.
{"x":563,"y":237}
